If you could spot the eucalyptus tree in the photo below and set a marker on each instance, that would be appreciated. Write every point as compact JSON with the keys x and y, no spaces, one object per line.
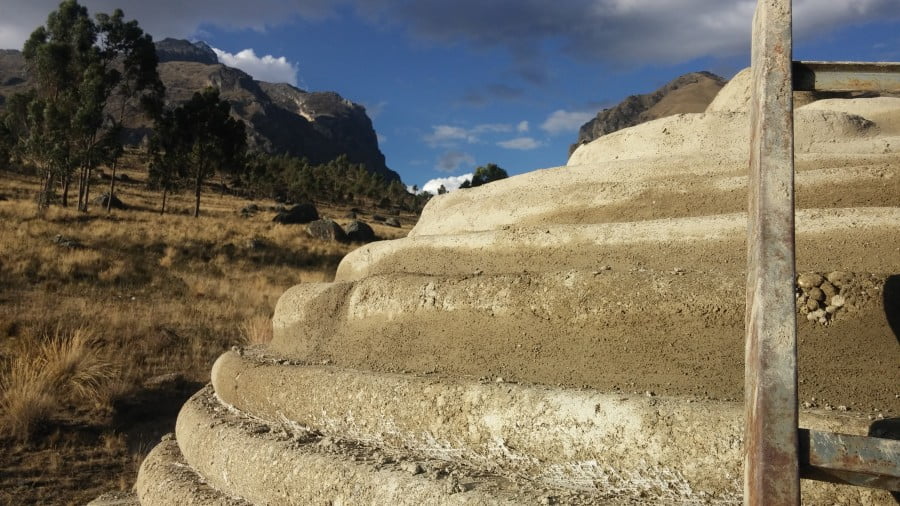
{"x":139,"y":79}
{"x":195,"y":140}
{"x":77,"y":65}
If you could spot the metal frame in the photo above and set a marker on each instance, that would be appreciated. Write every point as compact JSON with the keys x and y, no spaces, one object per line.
{"x":776,"y":452}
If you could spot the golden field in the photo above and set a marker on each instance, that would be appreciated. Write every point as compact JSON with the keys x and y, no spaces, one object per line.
{"x":108,"y":322}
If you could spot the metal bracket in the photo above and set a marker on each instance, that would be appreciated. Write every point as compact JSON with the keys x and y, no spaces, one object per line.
{"x":864,"y":461}
{"x":882,"y":77}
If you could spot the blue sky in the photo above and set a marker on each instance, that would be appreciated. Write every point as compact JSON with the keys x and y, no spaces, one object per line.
{"x":453,"y":85}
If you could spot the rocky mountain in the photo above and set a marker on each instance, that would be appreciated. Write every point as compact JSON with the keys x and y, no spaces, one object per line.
{"x":182,"y":50}
{"x":689,"y":93}
{"x":281,"y":118}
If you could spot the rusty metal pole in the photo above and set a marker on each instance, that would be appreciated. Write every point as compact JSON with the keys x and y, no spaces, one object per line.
{"x":771,"y":473}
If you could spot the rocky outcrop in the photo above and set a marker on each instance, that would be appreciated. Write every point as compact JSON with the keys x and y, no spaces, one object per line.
{"x":281,"y":119}
{"x":571,"y":340}
{"x":182,"y":50}
{"x":689,"y":93}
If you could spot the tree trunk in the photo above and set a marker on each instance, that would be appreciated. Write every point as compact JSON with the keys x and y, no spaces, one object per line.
{"x":87,"y":189}
{"x":165,"y":192}
{"x":112,"y":188}
{"x":197,"y":194}
{"x":82,"y":186}
{"x":44,"y":195}
{"x":67,"y":178}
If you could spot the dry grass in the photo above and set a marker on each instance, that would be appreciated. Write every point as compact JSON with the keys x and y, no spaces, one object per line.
{"x":257,"y":330}
{"x":128,"y":297}
{"x":43,"y":377}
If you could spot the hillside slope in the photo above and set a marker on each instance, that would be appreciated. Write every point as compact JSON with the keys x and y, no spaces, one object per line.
{"x":689,"y":93}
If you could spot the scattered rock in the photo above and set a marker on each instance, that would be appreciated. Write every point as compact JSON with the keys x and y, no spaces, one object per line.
{"x":326,"y":230}
{"x":358,"y":231}
{"x":838,"y":301}
{"x":828,"y":289}
{"x":412,"y":468}
{"x":812,"y":304}
{"x":809,"y":280}
{"x":249,"y":210}
{"x":299,"y":214}
{"x":816,"y":315}
{"x":392,"y":222}
{"x":165,"y":381}
{"x":67,"y":242}
{"x":256,"y":244}
{"x":816,"y":294}
{"x":378,"y":218}
{"x":839,"y":278}
{"x":453,"y":486}
{"x":103,"y":198}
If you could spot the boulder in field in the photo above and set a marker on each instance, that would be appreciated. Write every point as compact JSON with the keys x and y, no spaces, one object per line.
{"x":104,"y":198}
{"x":299,"y":214}
{"x":326,"y":230}
{"x":358,"y":231}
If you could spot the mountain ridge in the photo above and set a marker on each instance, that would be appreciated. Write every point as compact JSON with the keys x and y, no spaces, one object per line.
{"x":689,"y":93}
{"x":281,"y":119}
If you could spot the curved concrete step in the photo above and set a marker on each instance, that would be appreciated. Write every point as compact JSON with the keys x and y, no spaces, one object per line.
{"x":656,"y":449}
{"x":272,"y":463}
{"x":860,"y":239}
{"x":166,"y":479}
{"x":678,"y":332}
{"x":635,"y":190}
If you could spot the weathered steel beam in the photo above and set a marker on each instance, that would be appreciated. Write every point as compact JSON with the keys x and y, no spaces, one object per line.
{"x":883,"y":77}
{"x":771,"y":471}
{"x":855,"y":460}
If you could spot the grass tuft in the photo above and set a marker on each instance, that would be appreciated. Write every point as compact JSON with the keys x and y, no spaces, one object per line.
{"x":257,"y":329}
{"x":43,"y":377}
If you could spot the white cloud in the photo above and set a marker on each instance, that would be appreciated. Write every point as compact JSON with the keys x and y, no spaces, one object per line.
{"x":522,"y":143}
{"x":262,"y":68}
{"x":450,"y":183}
{"x":562,"y":121}
{"x":452,"y":160}
{"x":522,"y":126}
{"x":491,"y":128}
{"x":448,"y":136}
{"x":444,"y":135}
